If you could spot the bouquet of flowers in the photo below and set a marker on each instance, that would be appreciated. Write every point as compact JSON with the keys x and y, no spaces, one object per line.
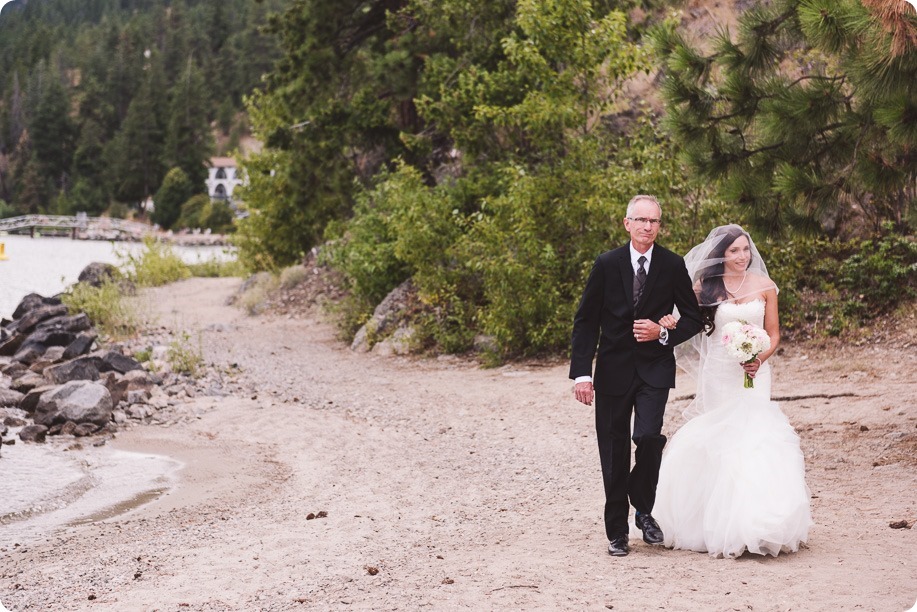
{"x":745,"y":342}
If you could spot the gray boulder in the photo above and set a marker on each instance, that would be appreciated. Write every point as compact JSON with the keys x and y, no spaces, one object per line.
{"x":81,"y":345}
{"x":32,"y":318}
{"x":386,"y":316}
{"x":401,"y":342}
{"x":73,"y":323}
{"x":98,"y":273}
{"x":12,"y":344}
{"x":29,"y":353}
{"x":33,"y":433}
{"x":112,"y":360}
{"x":79,"y":401}
{"x":141,"y":379}
{"x":85,"y":429}
{"x":52,"y":355}
{"x":116,"y":386}
{"x":50,"y":337}
{"x":30,"y":400}
{"x":12,"y":421}
{"x":27,"y":382}
{"x":8,"y":397}
{"x":15,"y":370}
{"x":138,"y":396}
{"x":31,"y":302}
{"x":86,"y":367}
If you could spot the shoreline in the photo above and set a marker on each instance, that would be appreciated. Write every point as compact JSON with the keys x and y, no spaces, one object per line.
{"x":189,"y":239}
{"x":458,"y":487}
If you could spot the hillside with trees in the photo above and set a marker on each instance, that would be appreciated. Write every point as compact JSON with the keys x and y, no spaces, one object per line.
{"x":486,"y":151}
{"x":100,"y":99}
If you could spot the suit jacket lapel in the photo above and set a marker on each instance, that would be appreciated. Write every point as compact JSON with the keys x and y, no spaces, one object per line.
{"x":627,"y":275}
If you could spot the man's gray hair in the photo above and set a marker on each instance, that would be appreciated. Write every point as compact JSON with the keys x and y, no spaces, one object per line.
{"x":637,"y":198}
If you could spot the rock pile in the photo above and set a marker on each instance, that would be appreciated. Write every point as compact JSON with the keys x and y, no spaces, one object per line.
{"x":55,"y":378}
{"x":51,"y":375}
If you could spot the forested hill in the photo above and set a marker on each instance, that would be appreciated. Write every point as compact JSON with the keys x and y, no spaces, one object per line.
{"x":99,"y":99}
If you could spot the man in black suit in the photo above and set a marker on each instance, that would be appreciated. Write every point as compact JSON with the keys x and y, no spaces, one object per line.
{"x":628,"y":291}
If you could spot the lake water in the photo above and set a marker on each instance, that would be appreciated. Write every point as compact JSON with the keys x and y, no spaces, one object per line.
{"x":48,"y":265}
{"x":46,"y":487}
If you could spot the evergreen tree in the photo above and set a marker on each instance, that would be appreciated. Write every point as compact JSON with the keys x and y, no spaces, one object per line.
{"x":134,"y":156}
{"x":176,"y":189}
{"x":88,"y":193}
{"x":52,"y":132}
{"x":808,"y":118}
{"x":103,"y":51}
{"x":16,"y":121}
{"x":34,"y":189}
{"x":189,"y":142}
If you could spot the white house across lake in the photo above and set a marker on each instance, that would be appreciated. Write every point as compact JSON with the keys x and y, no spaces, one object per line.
{"x":222,"y":178}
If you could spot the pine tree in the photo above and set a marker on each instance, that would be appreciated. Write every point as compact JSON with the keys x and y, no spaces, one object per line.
{"x":189,"y":142}
{"x":34,"y":189}
{"x":808,"y":117}
{"x":52,"y":132}
{"x":88,"y":193}
{"x":134,"y":156}
{"x":16,"y":113}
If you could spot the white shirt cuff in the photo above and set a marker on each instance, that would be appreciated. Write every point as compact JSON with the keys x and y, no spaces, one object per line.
{"x":580,"y":379}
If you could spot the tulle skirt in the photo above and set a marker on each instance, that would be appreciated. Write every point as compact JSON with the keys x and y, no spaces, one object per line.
{"x":733,"y":480}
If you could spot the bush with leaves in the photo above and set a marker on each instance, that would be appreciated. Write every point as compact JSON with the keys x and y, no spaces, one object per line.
{"x":504,"y":248}
{"x":157,"y":264}
{"x":106,"y":306}
{"x":169,"y":200}
{"x":831,"y":286}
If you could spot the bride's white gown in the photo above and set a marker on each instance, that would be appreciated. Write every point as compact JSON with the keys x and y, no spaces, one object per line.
{"x":733,"y":478}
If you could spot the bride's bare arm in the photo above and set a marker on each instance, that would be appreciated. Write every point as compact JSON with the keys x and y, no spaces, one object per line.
{"x":771,"y":326}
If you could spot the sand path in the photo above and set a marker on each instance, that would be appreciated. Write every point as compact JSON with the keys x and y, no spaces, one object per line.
{"x":447,"y":486}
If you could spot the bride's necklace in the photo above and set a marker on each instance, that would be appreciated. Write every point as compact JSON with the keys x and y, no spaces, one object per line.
{"x":730,"y":291}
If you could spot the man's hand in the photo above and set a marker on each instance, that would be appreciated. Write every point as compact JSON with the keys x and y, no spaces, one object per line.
{"x":583,"y":392}
{"x":646,"y":330}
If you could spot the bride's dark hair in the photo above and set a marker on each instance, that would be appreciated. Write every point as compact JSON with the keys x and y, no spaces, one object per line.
{"x":712,"y":287}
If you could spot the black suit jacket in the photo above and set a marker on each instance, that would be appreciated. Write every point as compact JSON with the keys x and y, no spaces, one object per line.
{"x":606,"y":315}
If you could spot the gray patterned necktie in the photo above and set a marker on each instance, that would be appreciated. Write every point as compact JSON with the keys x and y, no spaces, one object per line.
{"x":639,"y":280}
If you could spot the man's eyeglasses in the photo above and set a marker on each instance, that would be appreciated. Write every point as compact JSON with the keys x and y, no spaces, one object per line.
{"x":644,"y":221}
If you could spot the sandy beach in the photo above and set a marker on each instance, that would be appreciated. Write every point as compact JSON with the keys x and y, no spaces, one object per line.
{"x":348,"y":481}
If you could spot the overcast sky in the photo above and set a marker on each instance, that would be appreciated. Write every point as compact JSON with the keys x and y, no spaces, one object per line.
{"x":2,"y":2}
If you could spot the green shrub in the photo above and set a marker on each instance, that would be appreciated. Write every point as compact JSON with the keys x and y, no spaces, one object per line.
{"x":193,"y":211}
{"x":882,"y":272}
{"x":507,"y":254}
{"x":110,"y":312}
{"x":292,"y":276}
{"x":213,"y":268}
{"x":257,"y":290}
{"x":183,"y":357}
{"x":176,"y":188}
{"x":156,"y":265}
{"x":833,"y":286}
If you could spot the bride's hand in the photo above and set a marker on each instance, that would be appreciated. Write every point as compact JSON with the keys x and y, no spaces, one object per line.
{"x":751,"y":367}
{"x":668,"y":321}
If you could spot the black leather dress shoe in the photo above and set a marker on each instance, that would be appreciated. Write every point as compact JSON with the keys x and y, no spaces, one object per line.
{"x":618,"y":547}
{"x":652,"y":534}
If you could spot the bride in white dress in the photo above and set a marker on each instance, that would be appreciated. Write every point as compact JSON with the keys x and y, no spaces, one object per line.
{"x":733,"y":477}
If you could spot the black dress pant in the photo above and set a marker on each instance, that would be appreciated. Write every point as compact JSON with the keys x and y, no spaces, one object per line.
{"x":612,"y":426}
